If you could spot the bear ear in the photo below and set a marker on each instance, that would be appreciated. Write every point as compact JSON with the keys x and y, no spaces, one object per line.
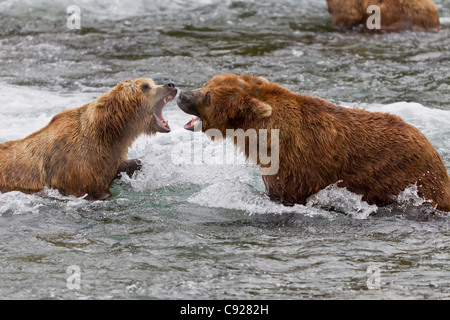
{"x":239,"y":103}
{"x":254,"y":80}
{"x":131,"y":85}
{"x":261,"y":109}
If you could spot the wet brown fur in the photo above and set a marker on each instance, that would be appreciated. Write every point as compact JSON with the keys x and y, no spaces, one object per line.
{"x":374,"y":154}
{"x":82,"y":150}
{"x":396,"y":15}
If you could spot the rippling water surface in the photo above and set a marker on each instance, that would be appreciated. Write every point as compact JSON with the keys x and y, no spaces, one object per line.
{"x":181,"y":231}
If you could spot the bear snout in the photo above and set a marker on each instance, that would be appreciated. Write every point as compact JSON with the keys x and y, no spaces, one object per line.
{"x":187,"y":101}
{"x":185,"y":97}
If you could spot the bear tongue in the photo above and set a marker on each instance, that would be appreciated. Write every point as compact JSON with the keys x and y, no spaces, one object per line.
{"x":191,"y":125}
{"x":163,"y":124}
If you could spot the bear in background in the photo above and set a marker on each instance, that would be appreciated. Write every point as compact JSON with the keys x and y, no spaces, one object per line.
{"x":81,"y":151}
{"x":396,"y":15}
{"x":373,"y":154}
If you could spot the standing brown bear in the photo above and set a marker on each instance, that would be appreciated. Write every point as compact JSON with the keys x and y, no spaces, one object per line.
{"x":395,"y":15}
{"x":374,"y":154}
{"x":81,"y":151}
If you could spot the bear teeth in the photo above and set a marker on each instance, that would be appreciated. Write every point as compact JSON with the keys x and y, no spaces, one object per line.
{"x":169,"y":98}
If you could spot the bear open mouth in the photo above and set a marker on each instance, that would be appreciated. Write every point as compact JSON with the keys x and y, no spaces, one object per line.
{"x":193,"y":124}
{"x":157,"y":111}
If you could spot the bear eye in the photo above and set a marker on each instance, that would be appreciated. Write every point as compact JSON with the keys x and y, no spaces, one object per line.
{"x":145,"y":87}
{"x":207,"y":100}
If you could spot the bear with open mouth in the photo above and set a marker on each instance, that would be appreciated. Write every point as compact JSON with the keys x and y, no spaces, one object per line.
{"x":81,"y":151}
{"x":376,"y":155}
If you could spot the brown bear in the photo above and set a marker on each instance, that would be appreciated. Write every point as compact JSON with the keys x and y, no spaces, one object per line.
{"x":395,"y":15}
{"x":81,"y":151}
{"x":373,"y":154}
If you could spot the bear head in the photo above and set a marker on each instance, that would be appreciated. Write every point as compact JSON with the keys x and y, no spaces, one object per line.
{"x":229,"y":102}
{"x":134,"y":107}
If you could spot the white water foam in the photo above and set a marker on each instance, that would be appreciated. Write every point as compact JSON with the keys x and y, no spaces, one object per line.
{"x":100,"y":9}
{"x":342,"y":200}
{"x":327,"y":203}
{"x":25,"y":110}
{"x":18,"y":203}
{"x":445,"y":20}
{"x":244,"y":197}
{"x":410,"y":197}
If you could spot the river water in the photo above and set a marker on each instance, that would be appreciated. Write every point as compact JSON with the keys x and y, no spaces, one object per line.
{"x":181,"y":230}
